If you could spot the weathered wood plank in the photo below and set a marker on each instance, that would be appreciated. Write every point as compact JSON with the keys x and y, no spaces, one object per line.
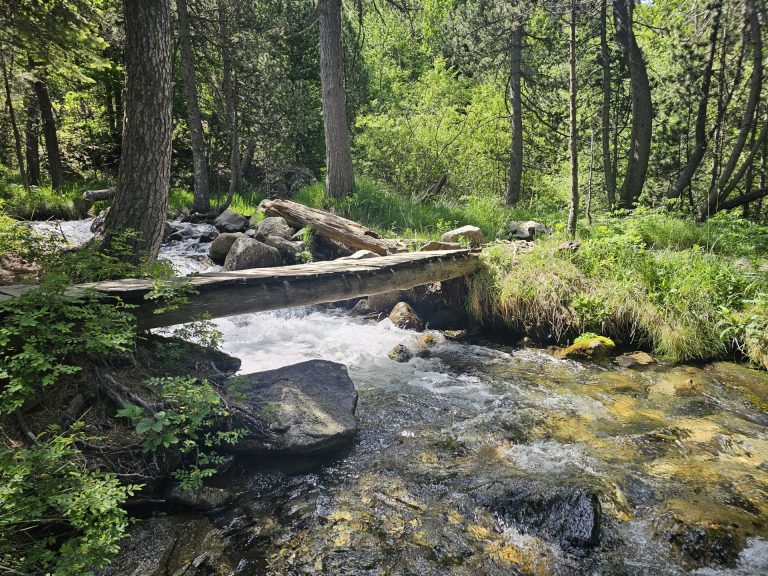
{"x":331,"y":226}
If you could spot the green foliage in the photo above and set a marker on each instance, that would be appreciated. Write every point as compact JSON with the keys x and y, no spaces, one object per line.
{"x":57,"y":516}
{"x":189,"y":421}
{"x":46,"y":334}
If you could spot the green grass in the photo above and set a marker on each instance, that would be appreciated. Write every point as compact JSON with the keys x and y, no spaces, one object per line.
{"x":181,"y":199}
{"x":43,"y":202}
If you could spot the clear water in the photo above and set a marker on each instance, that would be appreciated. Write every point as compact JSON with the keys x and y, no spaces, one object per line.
{"x":664,"y":447}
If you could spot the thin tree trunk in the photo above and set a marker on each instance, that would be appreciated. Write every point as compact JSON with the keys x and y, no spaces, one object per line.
{"x":32,"y":137}
{"x":589,"y":177}
{"x":200,"y":167}
{"x":574,"y":135}
{"x":230,"y":102}
{"x":718,"y":193}
{"x":145,"y":165}
{"x":640,"y":135}
{"x":49,"y":134}
{"x":694,"y":160}
{"x":14,"y":123}
{"x":605,"y":57}
{"x":514,"y":182}
{"x":340,"y":179}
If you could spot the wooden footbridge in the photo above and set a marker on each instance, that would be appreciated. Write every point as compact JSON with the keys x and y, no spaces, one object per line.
{"x":219,"y":294}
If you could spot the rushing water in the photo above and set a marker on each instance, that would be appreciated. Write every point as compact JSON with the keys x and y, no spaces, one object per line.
{"x":676,"y":455}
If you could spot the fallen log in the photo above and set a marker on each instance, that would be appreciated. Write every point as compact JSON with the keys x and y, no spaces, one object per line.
{"x":331,"y":226}
{"x":95,"y":195}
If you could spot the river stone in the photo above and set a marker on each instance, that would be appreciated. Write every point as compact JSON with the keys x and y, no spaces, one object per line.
{"x":566,"y":514}
{"x":202,"y":498}
{"x":288,"y":250}
{"x":634,"y":359}
{"x":272,"y":226}
{"x":306,"y":408}
{"x":171,"y":546}
{"x":597,"y":348}
{"x":248,"y":253}
{"x":219,"y":248}
{"x":400,"y":353}
{"x":230,"y":221}
{"x":403,"y":316}
{"x":435,"y":245}
{"x":471,"y":234}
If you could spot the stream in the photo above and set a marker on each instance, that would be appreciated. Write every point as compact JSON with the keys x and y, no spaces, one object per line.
{"x":487,"y":459}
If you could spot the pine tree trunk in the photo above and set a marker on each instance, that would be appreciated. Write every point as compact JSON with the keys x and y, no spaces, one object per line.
{"x":230,"y":101}
{"x":694,"y":160}
{"x":640,"y":135}
{"x":14,"y":123}
{"x":605,"y":57}
{"x":32,"y":137}
{"x":340,"y":179}
{"x":201,"y":202}
{"x":574,"y":129}
{"x":49,"y":134}
{"x":514,"y":183}
{"x":145,"y":164}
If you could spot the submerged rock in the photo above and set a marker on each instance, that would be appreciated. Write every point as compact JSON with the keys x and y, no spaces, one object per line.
{"x":230,"y":221}
{"x":248,"y":253}
{"x":566,"y":514}
{"x":403,"y":316}
{"x":471,"y":234}
{"x":305,"y":408}
{"x":400,"y":353}
{"x":202,"y":498}
{"x":634,"y":359}
{"x":701,"y":542}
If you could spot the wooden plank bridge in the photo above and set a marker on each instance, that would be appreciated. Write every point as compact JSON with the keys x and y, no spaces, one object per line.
{"x":218,"y":294}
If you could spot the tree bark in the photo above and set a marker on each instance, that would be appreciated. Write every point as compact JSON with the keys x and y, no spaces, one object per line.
{"x":14,"y":123}
{"x":340,"y":179}
{"x":642,"y":113}
{"x":49,"y":134}
{"x":719,"y":191}
{"x":514,"y":182}
{"x":230,"y":102}
{"x":743,"y":199}
{"x":145,"y":164}
{"x":605,"y":57}
{"x":574,"y":129}
{"x":694,"y":160}
{"x":200,"y":167}
{"x":32,"y":137}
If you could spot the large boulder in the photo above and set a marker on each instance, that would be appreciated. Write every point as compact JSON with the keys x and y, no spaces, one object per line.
{"x":403,"y":316}
{"x":305,"y":408}
{"x":272,"y":226}
{"x":288,"y":249}
{"x":230,"y":221}
{"x":248,"y":253}
{"x":471,"y":234}
{"x":219,"y":248}
{"x":567,"y":514}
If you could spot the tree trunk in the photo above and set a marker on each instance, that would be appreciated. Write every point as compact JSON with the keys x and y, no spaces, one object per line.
{"x":340,"y":180}
{"x":640,"y":135}
{"x":574,"y":129}
{"x":230,"y":102}
{"x":145,"y":163}
{"x":32,"y":137}
{"x":605,"y":57}
{"x":694,"y":160}
{"x":201,"y":203}
{"x":514,"y":182}
{"x":49,"y":134}
{"x":719,"y":191}
{"x":14,"y":123}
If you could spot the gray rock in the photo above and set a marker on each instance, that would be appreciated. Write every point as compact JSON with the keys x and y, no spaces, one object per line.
{"x":400,"y":353}
{"x":360,"y":255}
{"x":435,"y":245}
{"x":633,"y":359}
{"x":230,"y":221}
{"x":403,"y":316}
{"x":305,"y":408}
{"x":524,"y":230}
{"x":385,"y":301}
{"x":248,"y":253}
{"x":471,"y":234}
{"x":219,"y":248}
{"x":288,"y":250}
{"x":204,"y":498}
{"x":272,"y":226}
{"x":569,"y":247}
{"x":187,"y":231}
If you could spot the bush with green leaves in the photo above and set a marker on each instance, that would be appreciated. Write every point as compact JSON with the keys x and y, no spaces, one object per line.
{"x":190,"y":421}
{"x":58,"y":516}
